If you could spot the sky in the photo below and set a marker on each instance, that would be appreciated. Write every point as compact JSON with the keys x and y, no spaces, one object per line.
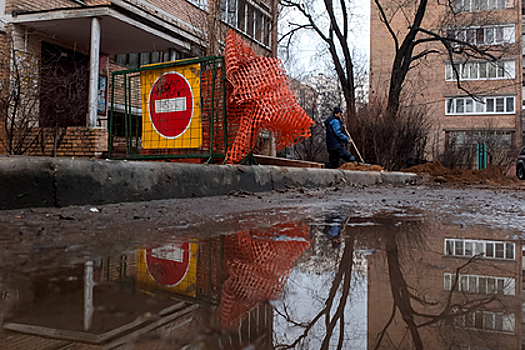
{"x":308,"y":54}
{"x":306,"y":293}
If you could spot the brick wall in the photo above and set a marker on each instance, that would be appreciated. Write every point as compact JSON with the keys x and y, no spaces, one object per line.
{"x":40,"y":5}
{"x":81,"y":142}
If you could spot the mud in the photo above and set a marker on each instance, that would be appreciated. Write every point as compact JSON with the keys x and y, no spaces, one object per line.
{"x":37,"y":236}
{"x":492,"y":175}
{"x":361,"y":167}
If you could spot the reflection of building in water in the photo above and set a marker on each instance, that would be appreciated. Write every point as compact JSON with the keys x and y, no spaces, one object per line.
{"x":452,"y":288}
{"x":163,"y":297}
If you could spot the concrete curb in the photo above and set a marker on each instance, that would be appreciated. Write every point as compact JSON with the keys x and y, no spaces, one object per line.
{"x":40,"y":182}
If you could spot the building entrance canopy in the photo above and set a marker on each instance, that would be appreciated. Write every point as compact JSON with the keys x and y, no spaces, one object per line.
{"x":119,"y":33}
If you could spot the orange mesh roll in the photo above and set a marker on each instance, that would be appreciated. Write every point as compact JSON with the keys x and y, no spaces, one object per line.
{"x":258,"y":264}
{"x":261,"y":98}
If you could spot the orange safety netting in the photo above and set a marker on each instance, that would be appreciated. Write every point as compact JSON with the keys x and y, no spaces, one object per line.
{"x":258,"y":264}
{"x":261,"y":98}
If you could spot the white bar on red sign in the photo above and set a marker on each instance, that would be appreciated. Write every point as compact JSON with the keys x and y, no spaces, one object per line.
{"x":168,"y":105}
{"x":168,"y":252}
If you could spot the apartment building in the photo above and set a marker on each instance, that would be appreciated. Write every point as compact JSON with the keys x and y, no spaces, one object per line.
{"x":488,"y":101}
{"x":62,"y":54}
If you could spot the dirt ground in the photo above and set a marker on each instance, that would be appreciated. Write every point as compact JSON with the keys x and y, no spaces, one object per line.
{"x":361,"y":167}
{"x":437,"y":173}
{"x":492,"y":175}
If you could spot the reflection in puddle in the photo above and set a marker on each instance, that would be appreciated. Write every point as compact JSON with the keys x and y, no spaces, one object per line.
{"x":334,"y":282}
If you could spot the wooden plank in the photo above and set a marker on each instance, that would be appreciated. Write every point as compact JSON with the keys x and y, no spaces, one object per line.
{"x":267,"y":160}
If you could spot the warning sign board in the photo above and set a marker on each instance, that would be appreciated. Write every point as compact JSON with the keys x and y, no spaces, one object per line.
{"x":172,"y":267}
{"x":171,"y":107}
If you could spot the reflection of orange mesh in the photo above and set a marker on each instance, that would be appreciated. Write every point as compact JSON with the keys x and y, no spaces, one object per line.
{"x":258,"y":264}
{"x":261,"y":99}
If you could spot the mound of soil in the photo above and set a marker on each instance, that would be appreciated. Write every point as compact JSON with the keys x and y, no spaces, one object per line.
{"x":492,"y":175}
{"x":433,"y":169}
{"x":361,"y":167}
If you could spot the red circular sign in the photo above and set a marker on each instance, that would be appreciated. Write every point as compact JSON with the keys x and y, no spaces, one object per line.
{"x":168,"y":265}
{"x":171,"y":105}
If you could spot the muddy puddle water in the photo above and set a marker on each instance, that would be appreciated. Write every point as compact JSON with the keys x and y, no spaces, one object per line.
{"x":331,"y":281}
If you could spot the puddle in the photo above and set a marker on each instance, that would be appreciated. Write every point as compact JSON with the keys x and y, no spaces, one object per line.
{"x":332,"y":281}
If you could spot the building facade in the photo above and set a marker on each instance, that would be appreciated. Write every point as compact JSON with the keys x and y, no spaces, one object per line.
{"x":486,"y":102}
{"x":58,"y":58}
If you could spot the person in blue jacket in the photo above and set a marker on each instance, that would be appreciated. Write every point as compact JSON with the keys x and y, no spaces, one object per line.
{"x":336,"y":140}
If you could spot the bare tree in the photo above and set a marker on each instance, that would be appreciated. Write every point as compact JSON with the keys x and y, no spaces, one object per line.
{"x":334,"y":29}
{"x":19,"y":99}
{"x":319,"y":104}
{"x":40,"y":98}
{"x":372,"y":131}
{"x":422,"y":38}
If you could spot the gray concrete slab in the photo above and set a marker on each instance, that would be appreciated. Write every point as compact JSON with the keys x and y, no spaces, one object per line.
{"x":40,"y":181}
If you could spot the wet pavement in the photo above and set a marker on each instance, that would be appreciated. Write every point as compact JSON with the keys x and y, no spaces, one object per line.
{"x":376,"y":268}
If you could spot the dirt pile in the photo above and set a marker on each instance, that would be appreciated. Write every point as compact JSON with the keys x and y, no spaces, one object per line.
{"x":492,"y":175}
{"x":361,"y":167}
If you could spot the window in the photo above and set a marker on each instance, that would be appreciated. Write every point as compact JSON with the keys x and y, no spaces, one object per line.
{"x":481,"y":70}
{"x":460,"y":106}
{"x":144,"y":58}
{"x":249,"y":22}
{"x":449,"y":278}
{"x":500,"y":138}
{"x":487,"y":35}
{"x":509,"y":250}
{"x":250,"y":19}
{"x":241,"y":15}
{"x":481,"y":5}
{"x":135,"y":60}
{"x":450,"y":109}
{"x":258,"y":25}
{"x":486,"y":249}
{"x":483,"y":105}
{"x":449,"y":246}
{"x":489,"y":252}
{"x":202,"y":4}
{"x":486,"y":320}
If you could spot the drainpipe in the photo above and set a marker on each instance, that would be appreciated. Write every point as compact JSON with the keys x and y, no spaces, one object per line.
{"x":94,"y":57}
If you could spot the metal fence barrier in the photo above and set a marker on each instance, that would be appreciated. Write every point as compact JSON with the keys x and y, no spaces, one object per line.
{"x":174,"y":110}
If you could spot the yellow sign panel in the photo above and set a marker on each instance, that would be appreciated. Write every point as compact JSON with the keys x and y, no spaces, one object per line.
{"x":170,"y":268}
{"x":171,"y":107}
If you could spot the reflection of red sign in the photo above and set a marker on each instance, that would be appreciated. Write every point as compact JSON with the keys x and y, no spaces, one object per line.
{"x":168,"y":265}
{"x":171,"y":104}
